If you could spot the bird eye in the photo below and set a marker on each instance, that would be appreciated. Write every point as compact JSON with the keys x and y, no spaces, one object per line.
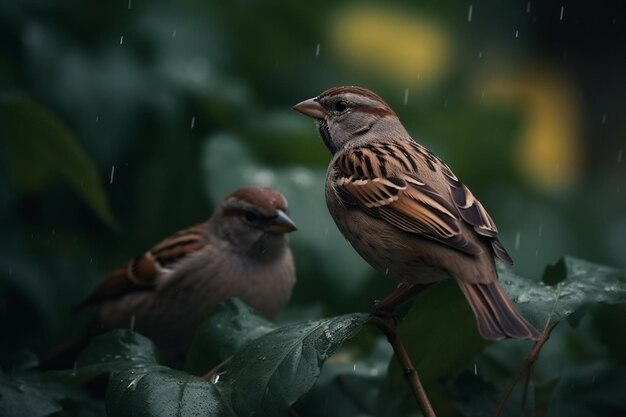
{"x":250,"y":216}
{"x":341,"y":106}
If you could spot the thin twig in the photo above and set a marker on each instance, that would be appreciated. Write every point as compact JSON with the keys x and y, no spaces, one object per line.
{"x":217,"y":370}
{"x":388,"y":327}
{"x":530,"y":360}
{"x":525,"y":392}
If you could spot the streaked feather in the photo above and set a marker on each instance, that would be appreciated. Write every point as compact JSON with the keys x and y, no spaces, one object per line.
{"x":384,"y":178}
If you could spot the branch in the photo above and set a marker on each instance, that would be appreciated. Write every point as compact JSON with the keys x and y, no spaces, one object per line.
{"x":209,"y":376}
{"x":386,"y":323}
{"x":530,"y":360}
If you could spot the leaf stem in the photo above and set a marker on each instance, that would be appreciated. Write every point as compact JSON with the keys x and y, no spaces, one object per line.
{"x":530,"y":360}
{"x":386,"y":323}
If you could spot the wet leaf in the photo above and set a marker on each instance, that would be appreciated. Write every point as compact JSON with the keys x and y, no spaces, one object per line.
{"x":230,"y":326}
{"x":272,"y":372}
{"x":40,"y":147}
{"x":28,"y":396}
{"x":440,"y":332}
{"x":112,"y":351}
{"x":138,"y":383}
{"x":156,"y":390}
{"x":577,"y":284}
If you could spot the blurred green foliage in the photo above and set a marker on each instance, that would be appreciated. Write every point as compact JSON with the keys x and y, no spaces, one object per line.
{"x":123,"y":121}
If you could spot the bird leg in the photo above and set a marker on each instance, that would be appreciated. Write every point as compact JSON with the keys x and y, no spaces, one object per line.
{"x":399,"y":296}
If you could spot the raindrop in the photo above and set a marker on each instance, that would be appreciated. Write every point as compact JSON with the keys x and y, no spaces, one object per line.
{"x":620,"y":155}
{"x":112,"y":173}
{"x":480,"y":54}
{"x":129,"y":4}
{"x":373,"y":372}
{"x":528,"y":7}
{"x":193,"y":121}
{"x":387,"y":272}
{"x":482,"y":94}
{"x":604,"y":119}
{"x":121,"y":39}
{"x":540,"y":231}
{"x":262,"y":358}
{"x":406,"y":96}
{"x":174,"y":33}
{"x":317,"y":49}
{"x":132,"y":323}
{"x":518,"y":238}
{"x":517,"y":34}
{"x":354,"y":368}
{"x":75,"y":368}
{"x":469,"y":12}
{"x":562,"y":11}
{"x":97,"y":119}
{"x":475,"y":369}
{"x":215,"y":379}
{"x":536,"y":252}
{"x":133,"y":384}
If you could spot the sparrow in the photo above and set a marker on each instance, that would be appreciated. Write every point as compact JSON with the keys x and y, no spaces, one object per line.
{"x":405,"y":212}
{"x":166,"y":292}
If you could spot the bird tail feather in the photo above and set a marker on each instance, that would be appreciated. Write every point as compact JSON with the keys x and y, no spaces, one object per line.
{"x":497,"y":316}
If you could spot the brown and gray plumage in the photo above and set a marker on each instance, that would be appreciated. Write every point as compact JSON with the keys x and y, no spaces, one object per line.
{"x":405,"y":212}
{"x":241,"y":251}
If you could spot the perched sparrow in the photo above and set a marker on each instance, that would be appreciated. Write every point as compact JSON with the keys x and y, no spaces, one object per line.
{"x":241,"y":251}
{"x":405,"y":212}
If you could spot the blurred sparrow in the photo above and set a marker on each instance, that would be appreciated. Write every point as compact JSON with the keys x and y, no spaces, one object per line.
{"x":405,"y":212}
{"x":241,"y":251}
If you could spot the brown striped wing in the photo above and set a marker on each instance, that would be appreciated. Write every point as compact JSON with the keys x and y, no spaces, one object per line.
{"x":384,"y":180}
{"x":142,"y":272}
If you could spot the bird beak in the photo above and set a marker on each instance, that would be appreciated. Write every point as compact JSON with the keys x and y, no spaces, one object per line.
{"x":279,"y":224}
{"x":311,"y":108}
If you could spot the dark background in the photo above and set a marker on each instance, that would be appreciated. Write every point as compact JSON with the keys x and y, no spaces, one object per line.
{"x":124,"y":121}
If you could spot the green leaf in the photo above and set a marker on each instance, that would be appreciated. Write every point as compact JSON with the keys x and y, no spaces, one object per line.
{"x":440,"y":330}
{"x":230,"y":325}
{"x":156,"y":391}
{"x":138,"y":384}
{"x":576,"y":284}
{"x":344,"y":378}
{"x":476,"y":398}
{"x":26,"y":398}
{"x":595,"y":389}
{"x":270,"y":373}
{"x":40,"y":148}
{"x":26,"y":395}
{"x":109,"y":352}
